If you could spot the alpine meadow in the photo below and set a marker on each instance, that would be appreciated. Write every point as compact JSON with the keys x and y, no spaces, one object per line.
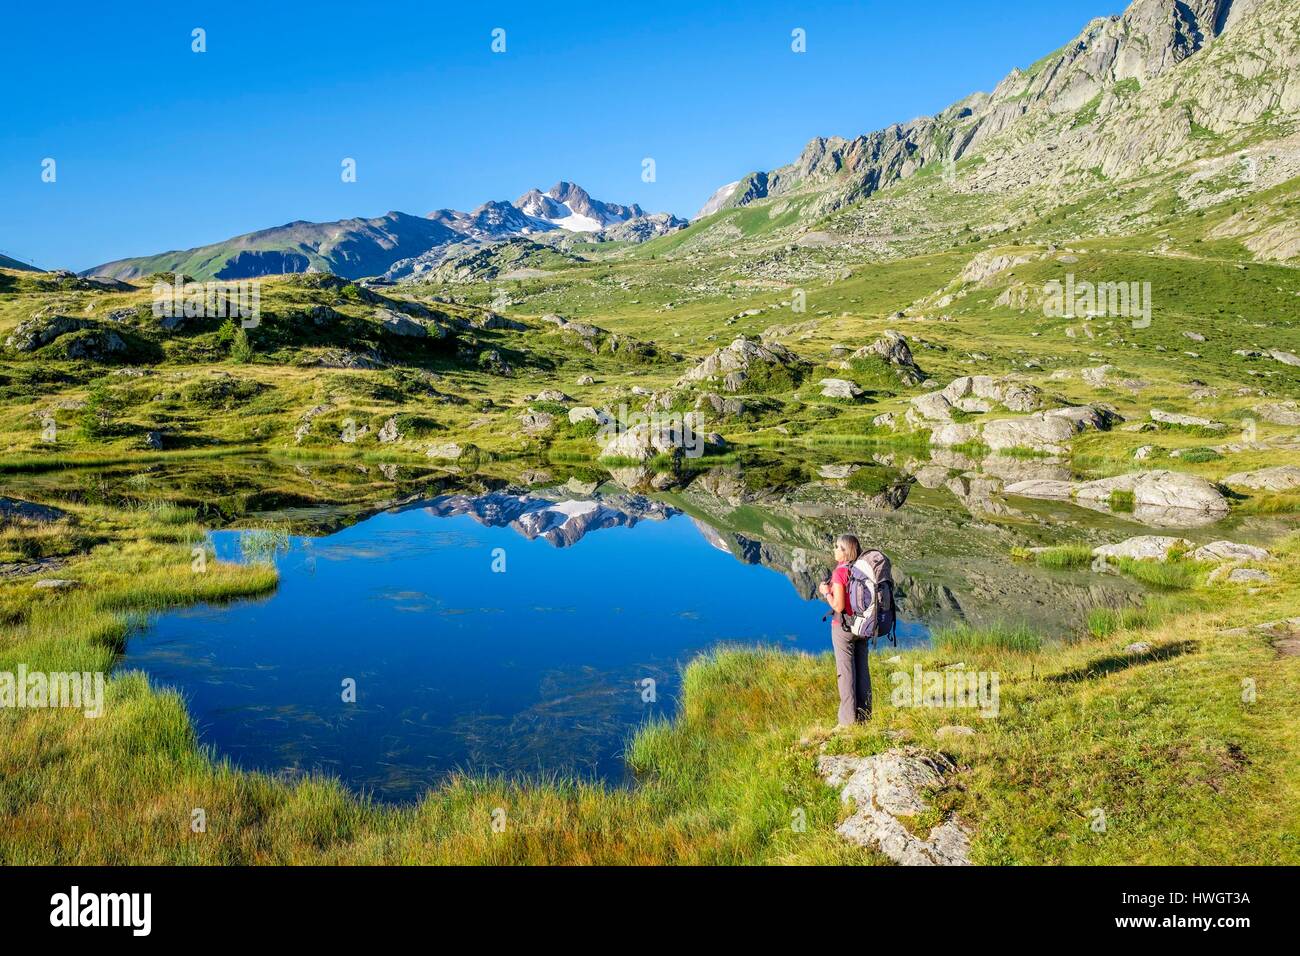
{"x":515,"y":535}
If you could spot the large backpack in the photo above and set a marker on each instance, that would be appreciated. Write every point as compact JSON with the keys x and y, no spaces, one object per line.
{"x":871,"y":595}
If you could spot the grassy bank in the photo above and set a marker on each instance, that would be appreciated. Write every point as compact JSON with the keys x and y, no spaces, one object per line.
{"x":1161,"y":741}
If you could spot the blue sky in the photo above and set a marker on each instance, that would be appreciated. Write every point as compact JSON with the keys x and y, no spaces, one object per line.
{"x":160,"y":148}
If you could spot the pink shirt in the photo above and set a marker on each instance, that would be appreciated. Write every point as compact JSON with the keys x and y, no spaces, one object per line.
{"x":841,"y":576}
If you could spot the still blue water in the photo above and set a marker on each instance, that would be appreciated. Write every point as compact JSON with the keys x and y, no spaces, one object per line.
{"x":540,"y":668}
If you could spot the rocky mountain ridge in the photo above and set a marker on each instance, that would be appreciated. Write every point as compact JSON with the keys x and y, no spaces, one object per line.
{"x":1161,"y":85}
{"x":400,"y":245}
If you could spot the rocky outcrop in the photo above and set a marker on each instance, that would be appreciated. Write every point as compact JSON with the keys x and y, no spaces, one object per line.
{"x":743,"y":359}
{"x":1144,"y":547}
{"x":892,"y":348}
{"x":886,"y":787}
{"x":1280,"y":413}
{"x":840,"y":388}
{"x":983,"y":393}
{"x":1185,"y":421}
{"x":1013,"y":395}
{"x":1049,"y":431}
{"x":449,"y":451}
{"x":15,"y":509}
{"x":642,"y":228}
{"x":1162,"y":490}
{"x":403,"y":326}
{"x":1277,"y":478}
{"x":536,"y":422}
{"x":1159,"y":497}
{"x":1229,"y":551}
{"x":304,"y":424}
{"x":644,"y":441}
{"x":39,"y":331}
{"x":494,"y":321}
{"x":585,"y":413}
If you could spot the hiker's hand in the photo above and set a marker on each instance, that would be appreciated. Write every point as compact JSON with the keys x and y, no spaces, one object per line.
{"x":823,"y":589}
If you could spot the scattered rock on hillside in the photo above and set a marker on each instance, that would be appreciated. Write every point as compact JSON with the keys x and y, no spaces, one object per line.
{"x":742,"y":356}
{"x":1194,"y":421}
{"x":350,"y":434}
{"x":56,"y":584}
{"x":534,"y":422}
{"x":404,"y":326}
{"x":1286,"y":358}
{"x":1049,"y":431}
{"x":928,"y":408}
{"x":892,"y":347}
{"x":1277,"y":478}
{"x":39,"y":331}
{"x":1283,"y":634}
{"x":644,"y":441}
{"x":1016,"y":396}
{"x":953,"y":732}
{"x":346,"y":358}
{"x":585,"y":413}
{"x":988,"y":264}
{"x":840,"y":388}
{"x":15,"y":509}
{"x":304,"y":423}
{"x":1099,"y":375}
{"x":1248,"y":576}
{"x":951,"y":434}
{"x":98,"y":345}
{"x":1159,"y":497}
{"x":447,"y":450}
{"x":719,"y":406}
{"x":495,"y":321}
{"x":1159,"y":490}
{"x":885,"y":787}
{"x":1280,"y":413}
{"x":837,"y":472}
{"x":388,"y":432}
{"x":1228,"y":551}
{"x":1143,"y":547}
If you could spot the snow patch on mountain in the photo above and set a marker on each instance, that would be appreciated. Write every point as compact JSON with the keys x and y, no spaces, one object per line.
{"x":716,"y":201}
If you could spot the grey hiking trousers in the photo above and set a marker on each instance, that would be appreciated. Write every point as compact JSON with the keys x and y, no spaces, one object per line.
{"x":851,"y":674}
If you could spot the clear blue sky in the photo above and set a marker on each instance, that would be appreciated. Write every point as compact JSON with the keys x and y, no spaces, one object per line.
{"x":160,"y":148}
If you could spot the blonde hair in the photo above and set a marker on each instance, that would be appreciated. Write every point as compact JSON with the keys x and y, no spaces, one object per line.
{"x":849,"y":541}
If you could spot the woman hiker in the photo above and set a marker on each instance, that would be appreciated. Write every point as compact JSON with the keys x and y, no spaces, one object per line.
{"x":851,"y":671}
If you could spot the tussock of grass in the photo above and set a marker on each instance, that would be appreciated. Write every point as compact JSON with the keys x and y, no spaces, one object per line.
{"x":1170,"y":575}
{"x":1060,"y":557}
{"x":1105,"y":621}
{"x":1003,"y":637}
{"x":1270,"y":504}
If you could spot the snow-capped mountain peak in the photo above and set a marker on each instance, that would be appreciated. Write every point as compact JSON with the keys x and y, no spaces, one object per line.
{"x":568,"y":206}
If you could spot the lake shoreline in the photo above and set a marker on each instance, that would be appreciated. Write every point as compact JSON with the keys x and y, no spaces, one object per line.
{"x":720,"y":783}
